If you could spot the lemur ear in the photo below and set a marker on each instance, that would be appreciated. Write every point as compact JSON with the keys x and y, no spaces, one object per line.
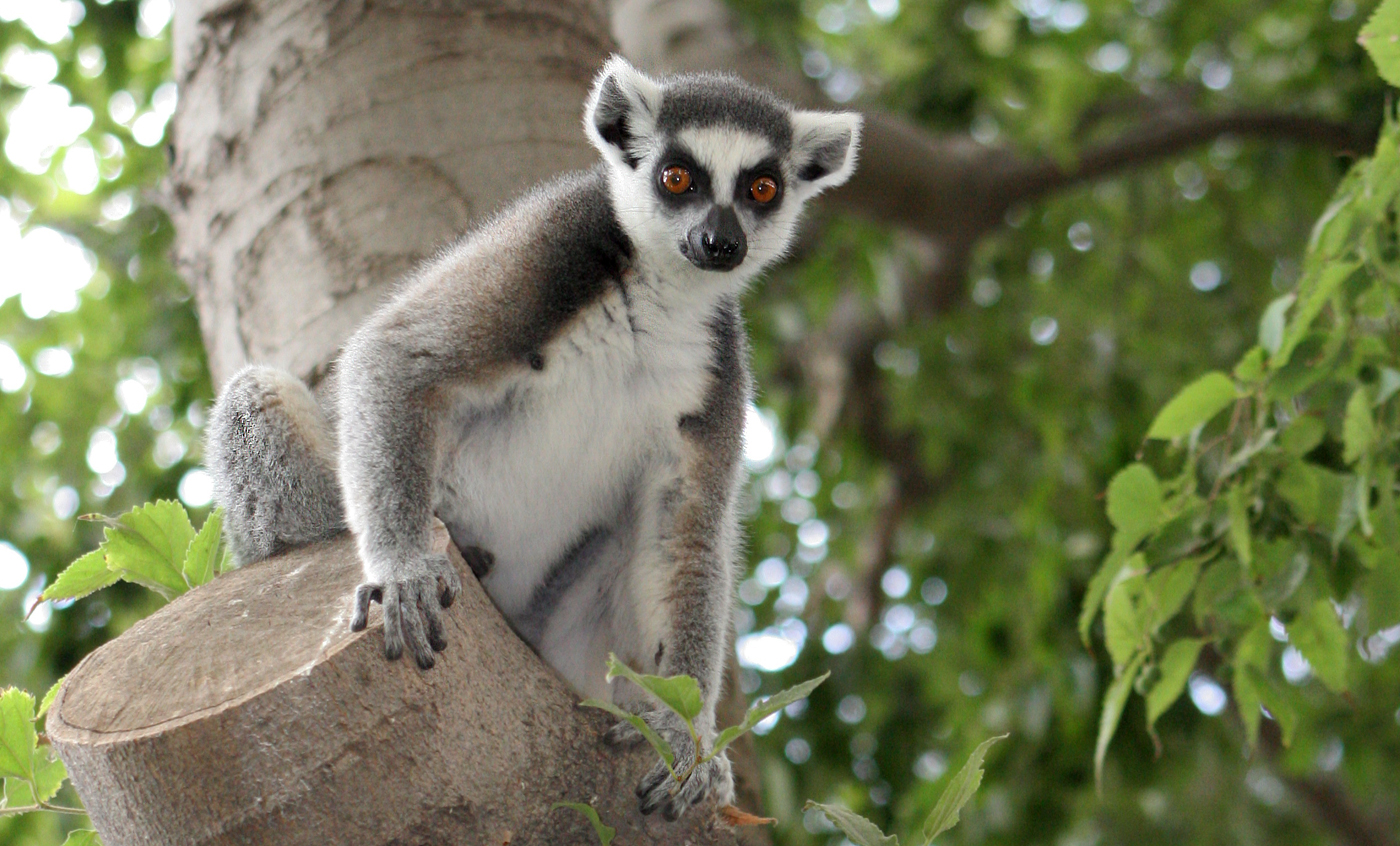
{"x":621,"y":110}
{"x":824,"y":148}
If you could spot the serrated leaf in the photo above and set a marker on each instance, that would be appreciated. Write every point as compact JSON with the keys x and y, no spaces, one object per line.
{"x":1174,"y":669}
{"x":1134,"y":503}
{"x":47,"y":701}
{"x":679,"y":693}
{"x":605,"y":833}
{"x":1358,"y":427}
{"x":1246,"y":683}
{"x":82,"y":837}
{"x":89,"y":573}
{"x":1271,"y":325}
{"x":1310,"y":304}
{"x":148,"y":546}
{"x":858,"y":829}
{"x":49,"y":774}
{"x":1381,"y":38}
{"x":1239,"y":525}
{"x":1113,"y":701}
{"x":19,"y":793}
{"x":945,"y":814}
{"x":657,"y":741}
{"x":1126,"y":617}
{"x":1169,"y":587}
{"x":18,"y":739}
{"x":1302,"y":436}
{"x":1097,"y":590}
{"x":1318,"y":634}
{"x":1195,"y":404}
{"x":1250,"y":368}
{"x":761,"y":710}
{"x":204,"y":550}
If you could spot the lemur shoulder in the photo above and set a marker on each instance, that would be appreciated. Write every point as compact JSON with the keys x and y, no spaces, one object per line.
{"x":565,"y":388}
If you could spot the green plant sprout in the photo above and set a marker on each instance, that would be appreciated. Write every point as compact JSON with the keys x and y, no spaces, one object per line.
{"x":681,"y":694}
{"x":944,"y":816}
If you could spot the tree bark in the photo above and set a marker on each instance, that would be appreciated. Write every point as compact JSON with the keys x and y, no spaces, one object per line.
{"x":321,"y":149}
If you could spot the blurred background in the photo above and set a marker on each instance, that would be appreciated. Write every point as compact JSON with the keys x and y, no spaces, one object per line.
{"x":925,"y":524}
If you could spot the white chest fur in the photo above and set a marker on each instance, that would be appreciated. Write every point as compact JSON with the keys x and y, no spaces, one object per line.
{"x":564,"y":449}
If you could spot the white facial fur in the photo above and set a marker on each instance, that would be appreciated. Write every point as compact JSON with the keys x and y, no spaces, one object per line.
{"x":724,"y":151}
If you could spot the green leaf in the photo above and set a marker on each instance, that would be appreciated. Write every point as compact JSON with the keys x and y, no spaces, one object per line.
{"x":1358,"y":428}
{"x":858,"y":829}
{"x":49,"y":774}
{"x":1250,"y":369}
{"x":1126,"y":618}
{"x":1310,"y":306}
{"x":18,"y":739}
{"x":1197,"y":403}
{"x":148,"y":544}
{"x":1272,"y":323}
{"x":82,"y":837}
{"x":1169,"y":587}
{"x":1174,"y":668}
{"x":1383,"y":590}
{"x":47,"y":701}
{"x":1246,"y":682}
{"x":679,"y":693}
{"x":1239,"y":524}
{"x":1302,"y":436}
{"x":945,"y":814}
{"x":605,"y":833}
{"x":657,"y":741}
{"x":204,"y":550}
{"x":1113,"y":701}
{"x":1380,"y":36}
{"x":1318,"y":634}
{"x":81,"y":578}
{"x":1300,"y":487}
{"x":1097,"y":590}
{"x":1277,"y":700}
{"x":1134,"y":502}
{"x":761,"y":710}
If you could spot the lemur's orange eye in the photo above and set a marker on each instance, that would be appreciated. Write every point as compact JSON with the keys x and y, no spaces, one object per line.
{"x":763,"y":189}
{"x":676,"y":179}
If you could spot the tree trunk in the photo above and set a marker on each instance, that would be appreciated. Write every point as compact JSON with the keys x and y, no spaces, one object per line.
{"x":321,"y":149}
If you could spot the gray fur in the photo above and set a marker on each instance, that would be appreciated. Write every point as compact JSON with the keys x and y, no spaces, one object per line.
{"x":565,"y":388}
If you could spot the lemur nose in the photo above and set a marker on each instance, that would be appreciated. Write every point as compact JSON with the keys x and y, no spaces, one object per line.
{"x":718,"y":243}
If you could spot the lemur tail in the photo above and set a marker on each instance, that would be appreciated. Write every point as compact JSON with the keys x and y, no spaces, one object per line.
{"x":271,"y":453}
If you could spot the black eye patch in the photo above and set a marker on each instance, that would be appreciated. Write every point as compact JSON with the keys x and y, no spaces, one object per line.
{"x":744,"y":186}
{"x":700,"y":183}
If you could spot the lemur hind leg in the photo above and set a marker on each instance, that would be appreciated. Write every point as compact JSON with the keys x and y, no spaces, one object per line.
{"x":271,"y":453}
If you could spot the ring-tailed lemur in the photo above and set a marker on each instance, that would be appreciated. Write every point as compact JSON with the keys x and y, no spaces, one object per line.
{"x":565,"y":388}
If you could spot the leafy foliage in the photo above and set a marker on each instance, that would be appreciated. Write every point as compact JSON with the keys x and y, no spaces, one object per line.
{"x":1290,"y":510}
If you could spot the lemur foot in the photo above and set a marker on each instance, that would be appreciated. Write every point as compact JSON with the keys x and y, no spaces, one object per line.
{"x":411,"y":609}
{"x":659,"y":788}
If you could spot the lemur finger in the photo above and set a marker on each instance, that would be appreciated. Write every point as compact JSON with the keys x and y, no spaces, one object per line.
{"x":449,"y":585}
{"x":393,"y":626}
{"x":415,"y":636}
{"x":364,"y":595}
{"x":654,"y":788}
{"x":695,"y":788}
{"x":437,"y":637}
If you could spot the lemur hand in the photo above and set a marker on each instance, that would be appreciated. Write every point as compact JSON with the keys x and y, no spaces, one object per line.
{"x":659,"y":788}
{"x":412,"y":605}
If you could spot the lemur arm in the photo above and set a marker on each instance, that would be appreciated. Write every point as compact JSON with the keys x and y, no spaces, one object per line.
{"x":440,"y":331}
{"x":703,"y":539}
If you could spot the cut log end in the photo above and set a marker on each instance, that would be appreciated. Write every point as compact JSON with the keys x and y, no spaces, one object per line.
{"x":247,"y":712}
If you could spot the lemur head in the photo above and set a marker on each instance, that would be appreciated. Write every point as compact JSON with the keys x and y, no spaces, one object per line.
{"x":709,"y":172}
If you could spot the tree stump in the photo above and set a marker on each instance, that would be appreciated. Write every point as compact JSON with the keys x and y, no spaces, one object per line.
{"x":247,"y":712}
